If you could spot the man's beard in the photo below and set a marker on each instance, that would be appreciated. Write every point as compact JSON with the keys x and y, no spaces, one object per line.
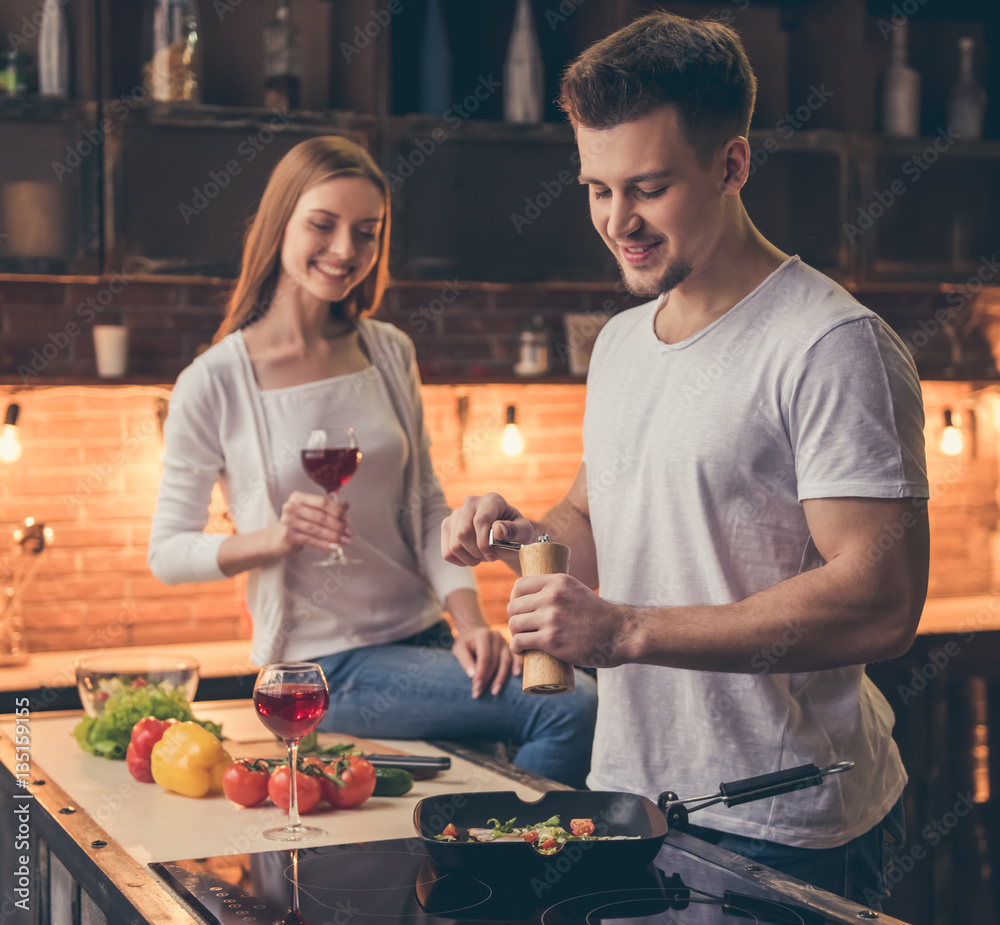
{"x":673,"y":276}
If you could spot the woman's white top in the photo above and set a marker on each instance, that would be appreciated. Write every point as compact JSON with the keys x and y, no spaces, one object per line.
{"x":219,"y":430}
{"x":381,"y":597}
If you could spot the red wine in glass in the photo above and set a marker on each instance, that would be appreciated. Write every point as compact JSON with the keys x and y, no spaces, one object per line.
{"x":330,"y":458}
{"x":330,"y":468}
{"x":291,"y":698}
{"x":291,"y":711}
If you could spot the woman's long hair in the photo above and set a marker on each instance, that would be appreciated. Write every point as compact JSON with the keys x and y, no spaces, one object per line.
{"x":306,"y":165}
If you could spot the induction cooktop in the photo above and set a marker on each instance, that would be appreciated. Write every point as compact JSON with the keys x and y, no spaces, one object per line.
{"x":393,"y":881}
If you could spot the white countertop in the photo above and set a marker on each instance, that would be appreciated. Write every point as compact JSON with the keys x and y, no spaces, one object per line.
{"x":152,"y":824}
{"x":965,"y":614}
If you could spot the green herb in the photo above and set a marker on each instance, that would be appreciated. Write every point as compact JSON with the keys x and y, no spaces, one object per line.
{"x":108,"y":734}
{"x":309,"y":745}
{"x":499,"y":829}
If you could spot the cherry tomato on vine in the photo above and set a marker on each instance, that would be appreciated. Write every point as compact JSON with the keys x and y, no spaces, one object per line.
{"x":245,"y":783}
{"x":358,"y":777}
{"x":307,"y":787}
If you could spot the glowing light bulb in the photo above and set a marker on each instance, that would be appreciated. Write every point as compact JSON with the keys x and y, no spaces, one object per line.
{"x":952,"y":441}
{"x":512,"y":443}
{"x":10,"y":436}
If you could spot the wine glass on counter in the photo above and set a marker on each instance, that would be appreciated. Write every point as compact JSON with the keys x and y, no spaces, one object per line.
{"x":330,"y":458}
{"x":291,"y":698}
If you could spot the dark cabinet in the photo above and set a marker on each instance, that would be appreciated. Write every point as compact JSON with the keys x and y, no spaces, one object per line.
{"x":172,"y":212}
{"x":926,"y":208}
{"x":166,"y":189}
{"x":50,"y":178}
{"x":484,"y":201}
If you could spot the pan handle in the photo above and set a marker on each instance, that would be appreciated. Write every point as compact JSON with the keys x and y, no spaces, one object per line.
{"x":749,"y":789}
{"x":764,"y":785}
{"x":784,"y":781}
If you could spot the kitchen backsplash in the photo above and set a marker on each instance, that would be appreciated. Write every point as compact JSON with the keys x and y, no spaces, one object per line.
{"x":91,"y":465}
{"x":91,"y":461}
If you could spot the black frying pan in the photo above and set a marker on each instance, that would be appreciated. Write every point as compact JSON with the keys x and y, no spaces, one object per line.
{"x":613,"y":813}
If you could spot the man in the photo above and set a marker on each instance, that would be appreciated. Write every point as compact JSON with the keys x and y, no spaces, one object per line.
{"x":750,"y":499}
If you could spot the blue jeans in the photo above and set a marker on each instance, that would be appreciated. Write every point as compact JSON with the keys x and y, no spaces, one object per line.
{"x":858,"y":871}
{"x":416,"y":689}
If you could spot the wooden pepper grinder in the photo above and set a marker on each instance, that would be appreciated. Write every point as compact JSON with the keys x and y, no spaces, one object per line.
{"x":542,"y":673}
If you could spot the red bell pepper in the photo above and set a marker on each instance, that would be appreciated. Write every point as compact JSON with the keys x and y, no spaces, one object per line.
{"x":145,"y":734}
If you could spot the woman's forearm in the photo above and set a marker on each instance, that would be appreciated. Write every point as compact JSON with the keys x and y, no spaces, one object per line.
{"x":463,"y":605}
{"x":244,"y":551}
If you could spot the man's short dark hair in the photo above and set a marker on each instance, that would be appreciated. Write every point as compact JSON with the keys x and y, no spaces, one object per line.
{"x":696,"y":65}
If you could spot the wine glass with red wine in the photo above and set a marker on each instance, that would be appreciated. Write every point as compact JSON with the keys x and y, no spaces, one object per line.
{"x":330,"y":458}
{"x":291,"y":698}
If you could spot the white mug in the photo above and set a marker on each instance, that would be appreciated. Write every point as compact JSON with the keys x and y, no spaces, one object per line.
{"x":111,"y":350}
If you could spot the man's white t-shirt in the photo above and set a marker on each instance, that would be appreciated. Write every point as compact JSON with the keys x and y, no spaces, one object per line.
{"x":698,"y":457}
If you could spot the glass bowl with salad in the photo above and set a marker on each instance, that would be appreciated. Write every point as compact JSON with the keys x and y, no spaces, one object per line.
{"x":118,"y":690}
{"x":107,"y":680}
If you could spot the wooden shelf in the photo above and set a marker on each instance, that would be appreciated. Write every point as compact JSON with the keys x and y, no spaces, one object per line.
{"x":36,"y":108}
{"x":84,"y":379}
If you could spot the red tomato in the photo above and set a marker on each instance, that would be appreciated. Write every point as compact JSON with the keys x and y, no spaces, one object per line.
{"x":549,"y":843}
{"x":139,"y":766}
{"x":450,"y":829}
{"x":145,"y":734}
{"x":582,"y":826}
{"x":306,"y":786}
{"x":357,"y":774}
{"x":245,"y":783}
{"x":530,"y":837}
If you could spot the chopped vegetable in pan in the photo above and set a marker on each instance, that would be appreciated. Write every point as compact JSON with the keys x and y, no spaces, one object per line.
{"x":546,"y":837}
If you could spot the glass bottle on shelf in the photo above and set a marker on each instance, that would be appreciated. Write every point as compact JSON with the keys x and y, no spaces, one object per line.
{"x":435,"y":63}
{"x":533,"y":352}
{"x":172,"y":54}
{"x":282,"y":61}
{"x":53,"y":51}
{"x":967,"y":101}
{"x":901,"y":91}
{"x":523,"y":72}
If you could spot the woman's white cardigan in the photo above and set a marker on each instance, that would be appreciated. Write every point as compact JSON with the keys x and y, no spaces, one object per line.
{"x":217,"y":432}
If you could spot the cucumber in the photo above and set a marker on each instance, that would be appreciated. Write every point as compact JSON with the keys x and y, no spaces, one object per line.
{"x":392,"y":782}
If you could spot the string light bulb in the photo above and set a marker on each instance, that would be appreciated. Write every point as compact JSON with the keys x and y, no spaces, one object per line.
{"x":33,"y":536}
{"x":952,"y":440}
{"x":512,"y":444}
{"x":10,"y":436}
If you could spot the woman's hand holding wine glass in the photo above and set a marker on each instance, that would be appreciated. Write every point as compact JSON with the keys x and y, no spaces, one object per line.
{"x":291,"y":698}
{"x":330,"y":458}
{"x":312,"y":520}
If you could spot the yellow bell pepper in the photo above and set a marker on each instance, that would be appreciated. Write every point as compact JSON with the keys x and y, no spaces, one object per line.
{"x":189,"y":760}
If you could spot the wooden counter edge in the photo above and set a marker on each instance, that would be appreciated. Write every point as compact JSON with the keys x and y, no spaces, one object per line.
{"x":124,"y":889}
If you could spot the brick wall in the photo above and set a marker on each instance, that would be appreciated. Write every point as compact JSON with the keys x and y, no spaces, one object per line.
{"x":963,"y":508}
{"x":90,"y":467}
{"x":90,"y":470}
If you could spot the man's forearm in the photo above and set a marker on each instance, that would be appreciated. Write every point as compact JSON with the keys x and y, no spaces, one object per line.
{"x":567,"y":524}
{"x":824,"y":618}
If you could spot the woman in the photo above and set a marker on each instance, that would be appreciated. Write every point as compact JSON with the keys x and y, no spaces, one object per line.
{"x":297,"y":351}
